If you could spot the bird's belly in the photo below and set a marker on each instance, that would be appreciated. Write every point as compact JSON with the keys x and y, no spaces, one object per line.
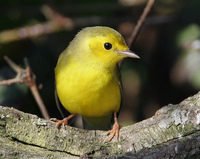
{"x":91,"y":95}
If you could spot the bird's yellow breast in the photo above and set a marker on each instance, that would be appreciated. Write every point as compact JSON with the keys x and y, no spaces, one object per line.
{"x":85,"y":90}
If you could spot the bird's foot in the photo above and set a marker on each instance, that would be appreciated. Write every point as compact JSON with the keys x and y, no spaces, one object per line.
{"x":64,"y":121}
{"x":115,"y":130}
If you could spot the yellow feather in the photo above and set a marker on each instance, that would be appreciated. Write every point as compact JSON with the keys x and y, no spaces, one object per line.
{"x":87,"y":78}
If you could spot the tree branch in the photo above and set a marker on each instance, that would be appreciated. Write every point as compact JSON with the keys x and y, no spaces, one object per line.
{"x":140,"y":22}
{"x":173,"y":131}
{"x":138,"y":27}
{"x":26,"y":76}
{"x":55,"y":23}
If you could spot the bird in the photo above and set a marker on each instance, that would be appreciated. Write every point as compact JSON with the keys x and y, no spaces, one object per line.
{"x":88,"y":80}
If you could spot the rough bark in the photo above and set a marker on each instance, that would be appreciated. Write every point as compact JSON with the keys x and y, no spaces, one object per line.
{"x":173,"y":132}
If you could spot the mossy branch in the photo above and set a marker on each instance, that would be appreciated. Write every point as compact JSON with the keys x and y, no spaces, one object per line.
{"x":173,"y":131}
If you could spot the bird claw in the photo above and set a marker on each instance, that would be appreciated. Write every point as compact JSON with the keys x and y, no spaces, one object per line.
{"x":59,"y":122}
{"x":64,"y":121}
{"x":114,"y":131}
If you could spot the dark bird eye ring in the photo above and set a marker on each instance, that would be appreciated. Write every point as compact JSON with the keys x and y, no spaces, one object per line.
{"x":107,"y":46}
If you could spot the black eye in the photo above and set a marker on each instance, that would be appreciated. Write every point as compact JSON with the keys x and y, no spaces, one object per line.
{"x":108,"y":46}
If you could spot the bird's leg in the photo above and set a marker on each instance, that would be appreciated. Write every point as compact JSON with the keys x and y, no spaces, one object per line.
{"x":115,"y":129}
{"x":64,"y":121}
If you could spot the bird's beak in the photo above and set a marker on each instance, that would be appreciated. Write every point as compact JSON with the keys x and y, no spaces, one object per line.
{"x":128,"y":53}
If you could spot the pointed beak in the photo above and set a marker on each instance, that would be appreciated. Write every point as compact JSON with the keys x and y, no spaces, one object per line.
{"x":128,"y":53}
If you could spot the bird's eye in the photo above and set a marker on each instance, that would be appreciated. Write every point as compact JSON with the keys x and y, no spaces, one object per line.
{"x":108,"y":46}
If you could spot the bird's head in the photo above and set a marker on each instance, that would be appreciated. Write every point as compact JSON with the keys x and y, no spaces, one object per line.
{"x":102,"y":45}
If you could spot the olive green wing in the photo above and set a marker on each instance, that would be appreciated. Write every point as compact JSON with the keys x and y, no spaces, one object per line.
{"x":64,"y":113}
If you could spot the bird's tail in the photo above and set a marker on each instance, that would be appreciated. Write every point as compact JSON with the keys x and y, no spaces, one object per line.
{"x":97,"y":123}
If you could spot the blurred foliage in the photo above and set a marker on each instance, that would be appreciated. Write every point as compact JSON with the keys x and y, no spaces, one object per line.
{"x":187,"y":67}
{"x":168,"y":46}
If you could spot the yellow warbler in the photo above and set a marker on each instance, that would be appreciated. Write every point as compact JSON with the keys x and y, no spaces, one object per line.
{"x":88,"y":80}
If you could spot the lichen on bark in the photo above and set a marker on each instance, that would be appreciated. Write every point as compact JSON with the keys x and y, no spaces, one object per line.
{"x":170,"y":132}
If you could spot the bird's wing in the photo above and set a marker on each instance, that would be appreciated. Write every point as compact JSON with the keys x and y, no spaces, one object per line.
{"x":122,"y":94}
{"x":122,"y":101}
{"x":58,"y":102}
{"x":64,"y":113}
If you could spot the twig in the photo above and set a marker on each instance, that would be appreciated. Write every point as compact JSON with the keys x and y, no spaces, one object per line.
{"x":26,"y":76}
{"x":56,"y":23}
{"x":11,"y":81}
{"x":140,"y":22}
{"x":137,"y":28}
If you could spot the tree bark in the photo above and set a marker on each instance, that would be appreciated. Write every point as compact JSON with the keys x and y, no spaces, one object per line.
{"x":173,"y":132}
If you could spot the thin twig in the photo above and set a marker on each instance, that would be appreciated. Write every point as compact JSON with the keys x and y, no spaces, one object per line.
{"x":15,"y":67}
{"x":26,"y":76}
{"x":138,"y":27}
{"x":33,"y":86}
{"x":55,"y":24}
{"x":140,"y":22}
{"x":11,"y":81}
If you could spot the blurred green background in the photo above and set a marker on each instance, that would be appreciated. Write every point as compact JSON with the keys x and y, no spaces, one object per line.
{"x":168,"y":45}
